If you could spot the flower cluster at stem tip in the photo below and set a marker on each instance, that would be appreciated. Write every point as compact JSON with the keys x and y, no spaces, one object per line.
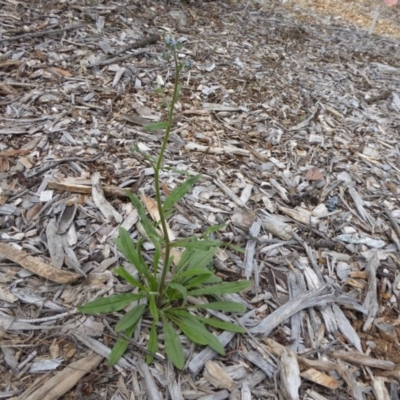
{"x":176,"y":45}
{"x":173,"y":44}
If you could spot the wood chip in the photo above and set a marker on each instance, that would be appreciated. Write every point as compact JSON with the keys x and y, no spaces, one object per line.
{"x":321,"y":378}
{"x":217,"y":376}
{"x":36,"y":266}
{"x":63,"y":381}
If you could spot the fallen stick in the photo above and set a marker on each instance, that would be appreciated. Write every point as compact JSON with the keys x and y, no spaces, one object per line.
{"x":42,"y":33}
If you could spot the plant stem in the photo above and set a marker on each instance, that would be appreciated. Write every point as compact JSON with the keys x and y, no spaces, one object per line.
{"x":157,"y":171}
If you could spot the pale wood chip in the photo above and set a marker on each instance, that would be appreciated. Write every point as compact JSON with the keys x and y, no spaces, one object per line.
{"x":217,"y":376}
{"x":55,"y":245}
{"x":175,"y":392}
{"x":361,"y":359}
{"x":290,"y":374}
{"x":108,"y":211}
{"x":379,"y":387}
{"x":152,"y":390}
{"x":299,"y":215}
{"x":229,"y":193}
{"x":67,"y":216}
{"x":278,"y":228}
{"x":321,"y":378}
{"x":64,"y":380}
{"x":265,"y":365}
{"x":360,"y":207}
{"x":221,"y":395}
{"x":37,"y":266}
{"x":346,"y":328}
{"x":6,"y":295}
{"x":249,"y":255}
{"x":315,"y":395}
{"x":320,"y":296}
{"x":353,"y":386}
{"x":371,"y":298}
{"x":76,"y":188}
{"x":216,"y":150}
{"x":246,"y":391}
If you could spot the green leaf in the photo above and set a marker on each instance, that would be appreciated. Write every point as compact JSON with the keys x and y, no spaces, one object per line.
{"x":148,"y":226}
{"x":198,"y":333}
{"x":227,"y":306}
{"x":234,"y":247}
{"x":177,"y":312}
{"x":214,"y":228}
{"x":120,"y":346}
{"x":176,"y":95}
{"x":225,"y":326}
{"x":193,"y":272}
{"x":168,"y":213}
{"x":185,"y":257}
{"x":126,"y":245}
{"x":118,"y":350}
{"x":153,"y":308}
{"x":220,"y":288}
{"x":179,"y":192}
{"x":109,"y":304}
{"x":197,"y":244}
{"x":156,"y":126}
{"x":192,"y":332}
{"x":124,"y":274}
{"x":196,"y":259}
{"x":201,"y":259}
{"x":130,"y":318}
{"x":152,"y":346}
{"x":152,"y":279}
{"x":159,"y":90}
{"x":173,"y":346}
{"x":212,"y":279}
{"x":145,"y":269}
{"x":196,"y":281}
{"x":181,"y":289}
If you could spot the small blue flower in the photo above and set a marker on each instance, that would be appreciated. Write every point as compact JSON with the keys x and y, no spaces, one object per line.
{"x":171,"y":43}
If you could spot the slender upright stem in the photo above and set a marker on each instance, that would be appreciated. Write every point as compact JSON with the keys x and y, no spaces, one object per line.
{"x":157,"y":171}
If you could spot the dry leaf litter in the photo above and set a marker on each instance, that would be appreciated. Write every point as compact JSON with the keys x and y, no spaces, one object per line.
{"x":290,"y":113}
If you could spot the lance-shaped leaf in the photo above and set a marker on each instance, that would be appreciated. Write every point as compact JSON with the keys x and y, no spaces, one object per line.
{"x":124,"y":274}
{"x":120,"y":346}
{"x":109,"y":304}
{"x":179,"y":192}
{"x":152,"y":346}
{"x":156,"y":126}
{"x":223,"y":325}
{"x":220,"y":288}
{"x":130,"y":318}
{"x":153,"y":308}
{"x":126,"y":245}
{"x":148,"y":225}
{"x":173,"y":346}
{"x":198,"y":333}
{"x":182,"y":292}
{"x":228,"y":306}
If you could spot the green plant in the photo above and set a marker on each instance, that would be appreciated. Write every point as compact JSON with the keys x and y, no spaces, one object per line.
{"x":164,"y":288}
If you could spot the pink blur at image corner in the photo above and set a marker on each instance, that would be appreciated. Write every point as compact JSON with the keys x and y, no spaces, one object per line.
{"x":390,"y":2}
